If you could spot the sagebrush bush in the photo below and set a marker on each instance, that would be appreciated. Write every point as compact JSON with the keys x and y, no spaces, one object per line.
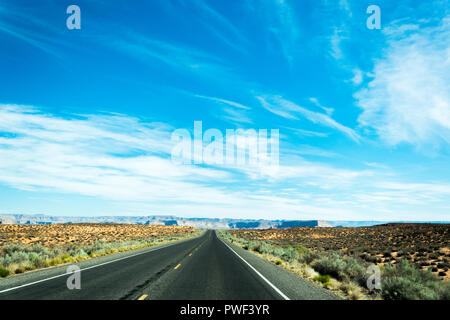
{"x":355,"y":271}
{"x":352,"y":291}
{"x":20,"y":269}
{"x":446,"y":291}
{"x":18,"y":258}
{"x":405,"y":282}
{"x":290,"y":254}
{"x":309,"y":257}
{"x":38,"y":260}
{"x":400,"y":281}
{"x":301,"y":249}
{"x":10,"y":248}
{"x":325,"y":279}
{"x":340,"y":268}
{"x":4,"y":272}
{"x":266,"y":248}
{"x":332,"y":264}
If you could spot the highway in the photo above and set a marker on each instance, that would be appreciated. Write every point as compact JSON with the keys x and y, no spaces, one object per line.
{"x":204,"y":268}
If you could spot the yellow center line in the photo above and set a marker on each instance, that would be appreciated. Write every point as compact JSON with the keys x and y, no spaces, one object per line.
{"x":143,"y":297}
{"x":177,"y":266}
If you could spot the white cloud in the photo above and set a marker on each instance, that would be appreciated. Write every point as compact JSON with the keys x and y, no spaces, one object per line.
{"x":284,"y":112}
{"x":177,"y":56}
{"x":289,"y":110}
{"x":118,"y":158}
{"x":113,"y":157}
{"x":109,"y":156}
{"x":235,"y":116}
{"x":408,"y":101}
{"x":221,"y":20}
{"x":308,"y":133}
{"x":232,"y":111}
{"x":316,"y":102}
{"x":335,"y":42}
{"x":303,"y":149}
{"x":376,"y":165}
{"x":17,"y":22}
{"x":345,"y":6}
{"x":280,"y":20}
{"x":223,"y":101}
{"x":357,"y":77}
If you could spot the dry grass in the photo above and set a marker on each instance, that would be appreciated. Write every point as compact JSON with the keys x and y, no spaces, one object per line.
{"x":424,"y":245}
{"x":338,"y":258}
{"x":85,"y":233}
{"x":300,"y":266}
{"x":24,"y":248}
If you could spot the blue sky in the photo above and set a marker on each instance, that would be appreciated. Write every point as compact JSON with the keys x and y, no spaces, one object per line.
{"x":86,"y":116}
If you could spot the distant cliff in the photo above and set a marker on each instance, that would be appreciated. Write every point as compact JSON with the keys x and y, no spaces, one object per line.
{"x":202,"y":223}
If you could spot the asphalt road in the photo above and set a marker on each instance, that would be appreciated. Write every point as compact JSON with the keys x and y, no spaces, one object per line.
{"x":203,"y":268}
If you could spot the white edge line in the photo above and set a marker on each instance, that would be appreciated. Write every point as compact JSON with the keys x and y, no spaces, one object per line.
{"x":285,"y":297}
{"x":92,"y":267}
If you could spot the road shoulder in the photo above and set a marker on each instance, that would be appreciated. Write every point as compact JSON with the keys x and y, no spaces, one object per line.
{"x":286,"y":281}
{"x":61,"y":270}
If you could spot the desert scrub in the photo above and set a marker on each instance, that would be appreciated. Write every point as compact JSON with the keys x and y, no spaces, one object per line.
{"x":4,"y":272}
{"x":17,"y":258}
{"x":301,"y":260}
{"x":352,"y":291}
{"x":405,"y":282}
{"x":324,"y":279}
{"x":340,"y":268}
{"x":309,"y":256}
{"x":348,"y":275}
{"x":290,"y":254}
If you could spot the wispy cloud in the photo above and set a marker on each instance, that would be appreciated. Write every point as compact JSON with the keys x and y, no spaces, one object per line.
{"x":316,"y":102}
{"x":111,"y":156}
{"x":108,"y":156}
{"x":32,"y":30}
{"x":121,"y":158}
{"x":307,"y":150}
{"x":340,"y":30}
{"x":177,"y":56}
{"x":223,"y":101}
{"x":375,"y":165}
{"x":280,"y":20}
{"x":408,"y":99}
{"x":335,"y":43}
{"x":285,"y":111}
{"x":345,"y":6}
{"x":289,"y":110}
{"x":232,"y":111}
{"x":185,"y":48}
{"x":358,"y":77}
{"x":308,"y":133}
{"x":217,"y":22}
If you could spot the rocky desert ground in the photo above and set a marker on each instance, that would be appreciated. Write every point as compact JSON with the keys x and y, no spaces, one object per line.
{"x":60,"y":234}
{"x":425,"y":245}
{"x":28,"y":247}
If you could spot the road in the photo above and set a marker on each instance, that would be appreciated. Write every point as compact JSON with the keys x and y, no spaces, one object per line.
{"x":204,"y":268}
